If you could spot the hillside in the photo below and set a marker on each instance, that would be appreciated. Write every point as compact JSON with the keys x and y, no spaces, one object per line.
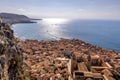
{"x":14,"y":18}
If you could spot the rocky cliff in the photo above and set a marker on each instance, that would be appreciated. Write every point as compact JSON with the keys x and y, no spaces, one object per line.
{"x":11,"y":62}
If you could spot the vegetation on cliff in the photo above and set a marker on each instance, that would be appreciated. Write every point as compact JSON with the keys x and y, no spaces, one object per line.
{"x":11,"y":62}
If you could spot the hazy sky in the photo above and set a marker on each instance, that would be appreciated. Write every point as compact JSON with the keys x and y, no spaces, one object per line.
{"x":88,"y":9}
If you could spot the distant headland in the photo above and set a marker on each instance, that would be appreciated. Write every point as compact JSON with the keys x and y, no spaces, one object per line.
{"x":11,"y":18}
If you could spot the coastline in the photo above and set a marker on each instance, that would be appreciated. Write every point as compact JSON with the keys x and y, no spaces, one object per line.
{"x":97,"y":36}
{"x":64,"y":59}
{"x":22,"y":22}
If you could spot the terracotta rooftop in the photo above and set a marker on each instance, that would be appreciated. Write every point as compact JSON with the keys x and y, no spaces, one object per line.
{"x":108,"y":77}
{"x":97,"y":75}
{"x":82,"y":67}
{"x":88,"y":74}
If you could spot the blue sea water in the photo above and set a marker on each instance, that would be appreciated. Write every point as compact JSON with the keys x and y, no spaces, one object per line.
{"x":103,"y":33}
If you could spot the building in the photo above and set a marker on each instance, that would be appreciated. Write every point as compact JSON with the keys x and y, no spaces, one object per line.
{"x":106,"y":64}
{"x":95,"y":60}
{"x":79,"y":75}
{"x":82,"y":67}
{"x":0,"y":19}
{"x":107,"y":75}
{"x":97,"y":68}
{"x":97,"y":76}
{"x":117,"y":68}
{"x":73,"y":64}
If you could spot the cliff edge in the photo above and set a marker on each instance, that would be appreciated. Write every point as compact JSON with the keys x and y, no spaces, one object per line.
{"x":10,"y":55}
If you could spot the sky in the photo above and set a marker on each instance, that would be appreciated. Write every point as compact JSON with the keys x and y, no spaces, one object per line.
{"x":82,"y":9}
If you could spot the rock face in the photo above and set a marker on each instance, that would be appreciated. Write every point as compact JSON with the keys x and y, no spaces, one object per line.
{"x":10,"y":55}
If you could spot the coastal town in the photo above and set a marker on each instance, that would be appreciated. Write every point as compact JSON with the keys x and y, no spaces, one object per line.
{"x":69,"y":60}
{"x":64,"y":59}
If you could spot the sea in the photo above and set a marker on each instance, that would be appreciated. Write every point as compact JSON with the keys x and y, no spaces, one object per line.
{"x":102,"y":33}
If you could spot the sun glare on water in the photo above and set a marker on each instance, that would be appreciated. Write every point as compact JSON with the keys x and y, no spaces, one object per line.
{"x":55,"y":20}
{"x":53,"y":27}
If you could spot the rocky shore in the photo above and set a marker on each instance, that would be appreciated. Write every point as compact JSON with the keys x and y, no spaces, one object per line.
{"x":63,"y":59}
